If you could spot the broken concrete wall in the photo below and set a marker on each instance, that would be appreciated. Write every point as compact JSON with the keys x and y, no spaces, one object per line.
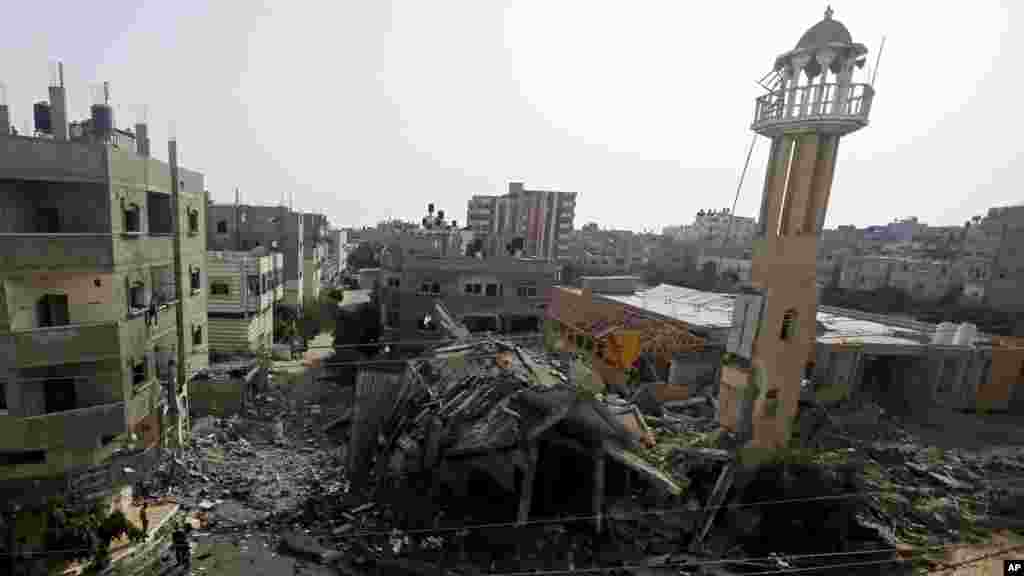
{"x":377,"y":389}
{"x":697,"y":369}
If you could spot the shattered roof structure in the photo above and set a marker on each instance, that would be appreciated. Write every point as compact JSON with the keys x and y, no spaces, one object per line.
{"x":488,"y":396}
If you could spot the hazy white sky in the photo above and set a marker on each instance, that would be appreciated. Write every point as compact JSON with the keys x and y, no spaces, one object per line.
{"x":370,"y":109}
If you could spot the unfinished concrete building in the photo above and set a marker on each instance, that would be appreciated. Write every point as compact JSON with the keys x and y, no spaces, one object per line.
{"x":89,"y":315}
{"x":242,"y":227}
{"x":245,"y":288}
{"x":494,"y":294}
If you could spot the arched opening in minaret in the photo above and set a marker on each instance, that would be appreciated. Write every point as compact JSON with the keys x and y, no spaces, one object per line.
{"x":788,"y":325}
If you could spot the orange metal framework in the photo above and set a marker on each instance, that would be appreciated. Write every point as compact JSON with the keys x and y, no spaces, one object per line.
{"x":610,"y":324}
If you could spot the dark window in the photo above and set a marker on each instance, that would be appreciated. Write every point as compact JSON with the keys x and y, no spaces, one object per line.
{"x":474,"y":288}
{"x":222,"y":227}
{"x":393,"y":282}
{"x":197,"y":335}
{"x":47,"y":221}
{"x":220,"y":289}
{"x":492,"y":289}
{"x":193,"y":222}
{"x":22,"y":457}
{"x":137,"y":296}
{"x":52,"y":310}
{"x":526,"y":291}
{"x":788,"y":325}
{"x":393,"y":318}
{"x":59,"y":394}
{"x":771,"y":395}
{"x":3,"y":395}
{"x":160,"y":213}
{"x":254,"y":285}
{"x":132,"y":222}
{"x":435,"y":288}
{"x":195,"y":282}
{"x":139,"y":370}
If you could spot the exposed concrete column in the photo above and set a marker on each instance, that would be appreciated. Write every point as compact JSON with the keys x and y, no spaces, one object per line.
{"x":798,"y":63}
{"x":843,"y":91}
{"x":58,"y":112}
{"x":824,"y":58}
{"x":141,"y":139}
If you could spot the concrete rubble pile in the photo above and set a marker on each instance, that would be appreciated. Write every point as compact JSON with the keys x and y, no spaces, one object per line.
{"x":485,"y":406}
{"x":916,"y":495}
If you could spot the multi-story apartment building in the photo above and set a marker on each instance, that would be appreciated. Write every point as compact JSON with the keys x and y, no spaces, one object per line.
{"x":480,"y":213}
{"x":88,"y":300}
{"x":245,"y":287}
{"x":716,"y":227}
{"x":315,"y":247}
{"x":497,"y":293}
{"x":920,"y":279}
{"x":541,"y":220}
{"x":241,"y":228}
{"x":1005,"y":291}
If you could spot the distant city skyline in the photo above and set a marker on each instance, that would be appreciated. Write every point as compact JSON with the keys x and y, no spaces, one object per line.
{"x":362,"y":110}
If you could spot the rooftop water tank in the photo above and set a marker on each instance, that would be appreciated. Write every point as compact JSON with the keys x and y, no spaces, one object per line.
{"x":102,"y":121}
{"x":965,"y":334}
{"x":41,"y":114}
{"x":945,"y":334}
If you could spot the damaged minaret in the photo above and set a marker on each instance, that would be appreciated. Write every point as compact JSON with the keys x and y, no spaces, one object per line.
{"x":812,"y":102}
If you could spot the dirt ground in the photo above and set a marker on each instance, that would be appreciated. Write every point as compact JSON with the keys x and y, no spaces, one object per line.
{"x":990,"y":566}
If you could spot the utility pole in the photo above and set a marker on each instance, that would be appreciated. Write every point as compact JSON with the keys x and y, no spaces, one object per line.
{"x":172,"y":158}
{"x":238,"y":224}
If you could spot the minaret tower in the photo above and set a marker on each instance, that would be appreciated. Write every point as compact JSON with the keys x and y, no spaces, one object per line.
{"x":812,"y":102}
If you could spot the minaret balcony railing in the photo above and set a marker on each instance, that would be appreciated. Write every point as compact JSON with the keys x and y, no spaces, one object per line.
{"x":844,"y":107}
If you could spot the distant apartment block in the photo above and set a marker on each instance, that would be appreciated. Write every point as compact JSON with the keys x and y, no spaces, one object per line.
{"x":315,"y":248}
{"x":244,"y":289}
{"x":87,"y":281}
{"x":541,"y":219}
{"x":500,"y":293}
{"x":241,"y":228}
{"x":716,"y":227}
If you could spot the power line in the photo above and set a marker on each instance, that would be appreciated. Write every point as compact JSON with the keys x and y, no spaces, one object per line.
{"x":532,"y":336}
{"x":697,"y":564}
{"x":633,"y":515}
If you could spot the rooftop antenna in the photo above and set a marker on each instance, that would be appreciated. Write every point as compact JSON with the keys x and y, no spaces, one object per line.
{"x":878,"y":60}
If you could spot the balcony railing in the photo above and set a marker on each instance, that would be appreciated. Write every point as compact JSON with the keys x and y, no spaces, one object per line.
{"x":56,"y":251}
{"x":822,"y":102}
{"x":78,"y":428}
{"x":71,"y":343}
{"x":143,"y":249}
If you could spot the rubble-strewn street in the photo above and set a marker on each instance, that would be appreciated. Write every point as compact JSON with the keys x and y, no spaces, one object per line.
{"x":271,"y":492}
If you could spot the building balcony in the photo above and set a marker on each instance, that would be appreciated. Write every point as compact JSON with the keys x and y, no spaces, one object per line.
{"x":822,"y":107}
{"x":81,"y":428}
{"x":141,"y":249}
{"x":71,"y":343}
{"x":29,"y":252}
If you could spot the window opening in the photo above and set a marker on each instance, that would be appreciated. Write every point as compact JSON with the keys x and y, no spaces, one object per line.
{"x":788,"y":325}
